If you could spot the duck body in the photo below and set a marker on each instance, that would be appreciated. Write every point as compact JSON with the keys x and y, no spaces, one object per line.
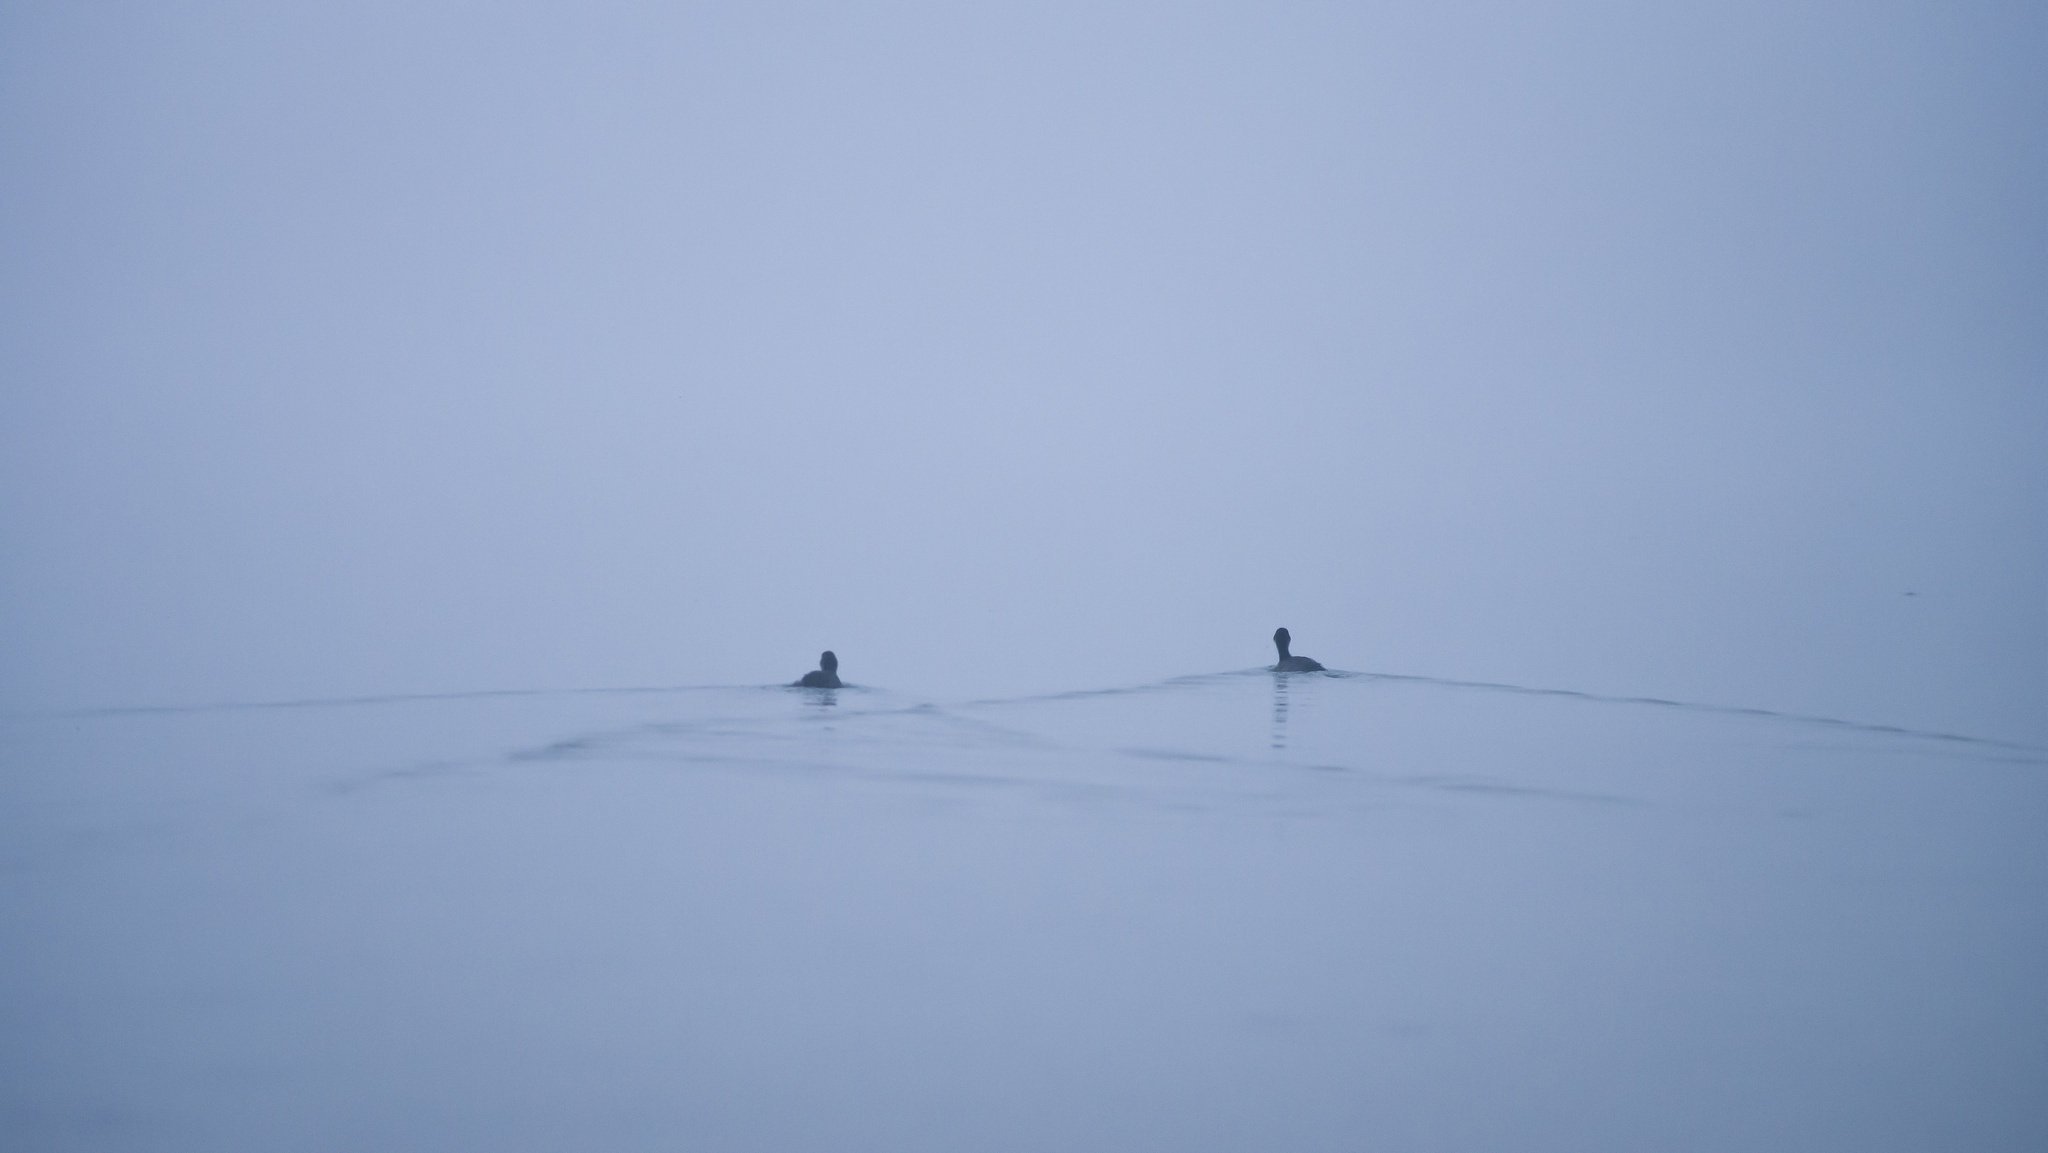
{"x":825,"y":676}
{"x":1290,"y":663}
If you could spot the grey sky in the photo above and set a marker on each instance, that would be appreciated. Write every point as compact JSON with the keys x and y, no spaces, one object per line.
{"x":440,"y":346}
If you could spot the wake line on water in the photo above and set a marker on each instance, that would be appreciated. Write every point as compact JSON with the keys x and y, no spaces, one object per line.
{"x":1170,"y":683}
{"x":1722,"y":710}
{"x":355,"y":701}
{"x":1528,"y":690}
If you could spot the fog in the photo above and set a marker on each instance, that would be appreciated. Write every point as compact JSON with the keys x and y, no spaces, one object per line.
{"x":427,"y":429}
{"x":427,"y":347}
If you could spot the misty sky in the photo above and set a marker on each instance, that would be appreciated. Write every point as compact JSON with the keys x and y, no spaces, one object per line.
{"x":1684,"y":350}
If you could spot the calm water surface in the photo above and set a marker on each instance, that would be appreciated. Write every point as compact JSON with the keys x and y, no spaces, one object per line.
{"x":1244,"y":910}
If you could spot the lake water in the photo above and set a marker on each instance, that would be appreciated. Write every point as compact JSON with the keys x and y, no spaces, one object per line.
{"x":1310,"y":912}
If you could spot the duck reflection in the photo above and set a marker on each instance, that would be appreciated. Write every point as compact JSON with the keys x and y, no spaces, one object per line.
{"x":1280,"y":710}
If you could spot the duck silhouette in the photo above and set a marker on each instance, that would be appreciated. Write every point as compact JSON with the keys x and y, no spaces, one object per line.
{"x":1289,"y":663}
{"x":825,"y":676}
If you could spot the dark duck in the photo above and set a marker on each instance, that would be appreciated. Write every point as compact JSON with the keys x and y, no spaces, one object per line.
{"x":1288,"y":662}
{"x":826,"y":675}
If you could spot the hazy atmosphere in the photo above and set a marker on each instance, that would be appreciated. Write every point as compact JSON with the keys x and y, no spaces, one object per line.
{"x":1687,"y":352}
{"x":429,"y":347}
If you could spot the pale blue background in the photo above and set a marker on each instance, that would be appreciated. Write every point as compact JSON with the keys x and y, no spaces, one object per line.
{"x":1640,"y":349}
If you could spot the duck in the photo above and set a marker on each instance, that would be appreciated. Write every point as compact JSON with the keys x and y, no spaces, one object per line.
{"x":1288,"y":663}
{"x":826,"y":675}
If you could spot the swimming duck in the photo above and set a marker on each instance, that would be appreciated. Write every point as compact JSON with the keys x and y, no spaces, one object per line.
{"x":1292,"y":664}
{"x":826,"y":675}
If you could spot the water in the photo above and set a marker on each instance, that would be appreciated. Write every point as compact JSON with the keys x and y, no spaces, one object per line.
{"x":1221,"y":912}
